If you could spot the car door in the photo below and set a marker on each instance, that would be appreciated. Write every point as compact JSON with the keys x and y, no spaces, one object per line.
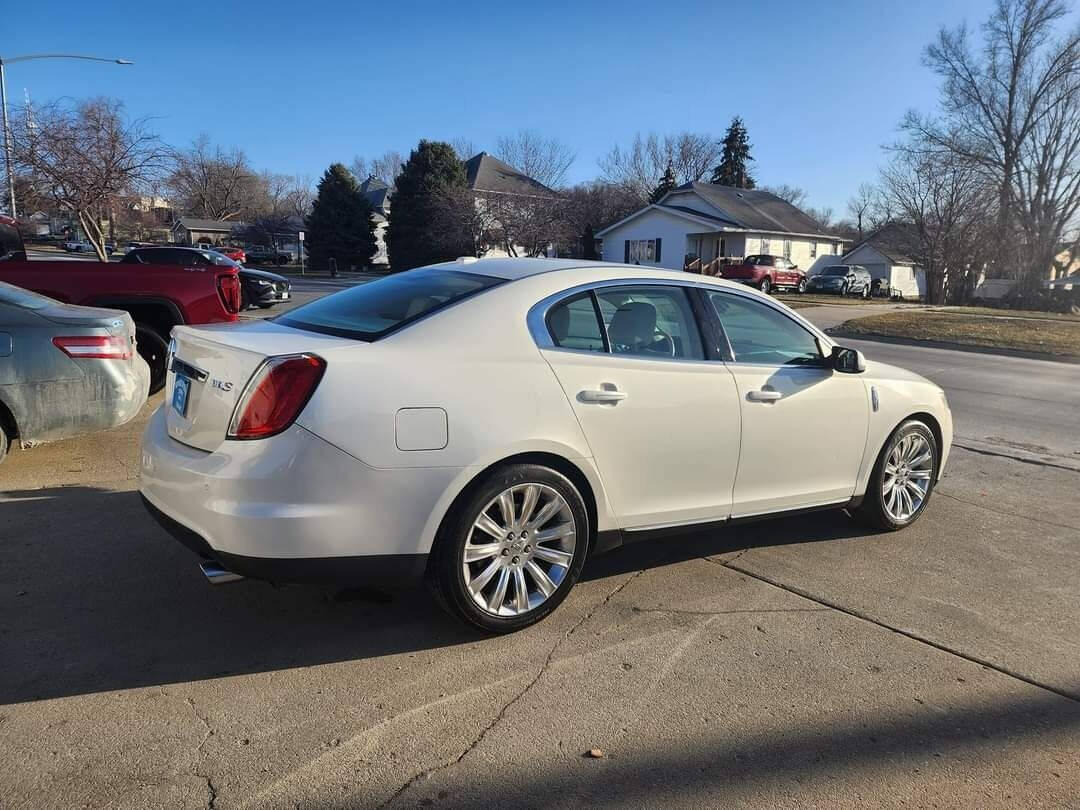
{"x":803,"y":424}
{"x":659,"y":411}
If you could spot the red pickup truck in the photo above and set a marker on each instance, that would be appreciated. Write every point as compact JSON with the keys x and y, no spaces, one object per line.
{"x":158,"y":296}
{"x":767,"y":273}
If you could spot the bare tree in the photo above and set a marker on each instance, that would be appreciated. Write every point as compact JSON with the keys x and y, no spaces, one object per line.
{"x":384,"y":168}
{"x":997,"y":100}
{"x":823,"y":216}
{"x":463,"y":147}
{"x":862,"y":206}
{"x":86,"y":157}
{"x":545,"y":160}
{"x":639,"y":167}
{"x":214,"y":183}
{"x":792,"y":194}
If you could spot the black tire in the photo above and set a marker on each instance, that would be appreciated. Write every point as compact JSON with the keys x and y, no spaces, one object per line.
{"x":866,"y":293}
{"x":844,"y":290}
{"x":266,"y":306}
{"x":445,"y":572}
{"x":5,"y":444}
{"x":766,"y":285}
{"x":154,"y":350}
{"x":872,"y":511}
{"x":801,"y":288}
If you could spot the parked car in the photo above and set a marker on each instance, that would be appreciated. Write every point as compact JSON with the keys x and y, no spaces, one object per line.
{"x":490,"y":423}
{"x":842,"y":279}
{"x":236,"y":254}
{"x":259,"y":254}
{"x":766,"y":272}
{"x":64,"y":370}
{"x":157,"y":297}
{"x":258,"y":288}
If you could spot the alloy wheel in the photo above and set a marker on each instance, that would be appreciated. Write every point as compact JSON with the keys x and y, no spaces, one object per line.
{"x":907,"y":475}
{"x":519,"y":549}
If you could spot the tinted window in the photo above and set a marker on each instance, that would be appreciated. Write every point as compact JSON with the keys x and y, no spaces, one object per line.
{"x":835,"y":271}
{"x":573,"y":324}
{"x":10,"y":244}
{"x":371,"y":310}
{"x":760,"y":334}
{"x":651,"y":321}
{"x":765,"y":261}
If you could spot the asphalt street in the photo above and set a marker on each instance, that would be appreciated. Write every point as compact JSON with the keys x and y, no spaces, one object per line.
{"x":800,"y":662}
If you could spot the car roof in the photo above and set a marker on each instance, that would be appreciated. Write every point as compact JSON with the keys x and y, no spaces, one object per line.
{"x":513,"y":269}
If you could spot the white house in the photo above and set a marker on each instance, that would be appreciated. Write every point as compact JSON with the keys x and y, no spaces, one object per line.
{"x":886,"y":253}
{"x":707,"y":221}
{"x":500,"y":189}
{"x":378,"y":194}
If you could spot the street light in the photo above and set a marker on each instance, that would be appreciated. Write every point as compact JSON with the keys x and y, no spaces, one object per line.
{"x":3,"y":105}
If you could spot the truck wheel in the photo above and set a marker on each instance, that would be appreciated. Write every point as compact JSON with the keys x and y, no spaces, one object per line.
{"x":5,"y":443}
{"x":154,"y":350}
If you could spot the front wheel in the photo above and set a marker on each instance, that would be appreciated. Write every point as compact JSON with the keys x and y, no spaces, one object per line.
{"x":766,"y":285}
{"x":5,"y":443}
{"x":801,"y":288}
{"x":510,"y":554}
{"x":154,"y":350}
{"x":866,"y":293}
{"x":903,"y":478}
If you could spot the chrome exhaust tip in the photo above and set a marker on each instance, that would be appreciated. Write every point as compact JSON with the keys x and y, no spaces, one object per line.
{"x":216,"y":574}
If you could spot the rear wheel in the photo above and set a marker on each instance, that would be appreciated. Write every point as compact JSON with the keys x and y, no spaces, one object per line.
{"x":154,"y":350}
{"x":766,"y":285}
{"x":5,"y":443}
{"x":866,"y":292}
{"x":801,"y":288}
{"x":510,"y":554}
{"x":903,"y":478}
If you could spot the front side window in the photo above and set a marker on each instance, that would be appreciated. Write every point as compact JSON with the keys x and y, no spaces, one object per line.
{"x":762,"y":335}
{"x":372,"y":310}
{"x":650,"y":321}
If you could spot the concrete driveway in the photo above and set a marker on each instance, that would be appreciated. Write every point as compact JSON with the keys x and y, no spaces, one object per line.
{"x":796,"y":662}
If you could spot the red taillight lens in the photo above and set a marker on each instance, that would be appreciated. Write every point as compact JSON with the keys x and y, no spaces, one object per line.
{"x":275,"y":395}
{"x":229,"y":290}
{"x":109,"y":347}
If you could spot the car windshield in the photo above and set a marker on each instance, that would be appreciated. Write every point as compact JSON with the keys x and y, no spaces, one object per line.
{"x":17,"y":296}
{"x":369,"y":311}
{"x":763,"y":260}
{"x":836,"y":271}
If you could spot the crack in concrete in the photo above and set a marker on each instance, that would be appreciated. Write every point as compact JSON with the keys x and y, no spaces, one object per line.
{"x":910,"y":634}
{"x":680,"y":612}
{"x":210,"y":789}
{"x":1037,"y":462}
{"x":427,"y":774}
{"x":1005,"y":512}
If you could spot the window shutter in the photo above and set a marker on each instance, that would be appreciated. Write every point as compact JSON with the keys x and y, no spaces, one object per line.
{"x":626,"y":251}
{"x":658,"y":249}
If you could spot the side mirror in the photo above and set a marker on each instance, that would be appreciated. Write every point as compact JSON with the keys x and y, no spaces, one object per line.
{"x":847,"y":361}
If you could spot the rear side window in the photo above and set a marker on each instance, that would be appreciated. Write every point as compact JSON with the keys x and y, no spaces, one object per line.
{"x":573,"y":325}
{"x":650,"y":321}
{"x":10,"y":244}
{"x":370,"y":311}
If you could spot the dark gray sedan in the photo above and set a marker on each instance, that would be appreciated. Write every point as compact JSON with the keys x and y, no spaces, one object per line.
{"x":64,"y":370}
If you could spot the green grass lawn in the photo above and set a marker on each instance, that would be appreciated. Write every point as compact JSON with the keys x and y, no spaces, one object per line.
{"x":1059,"y":337}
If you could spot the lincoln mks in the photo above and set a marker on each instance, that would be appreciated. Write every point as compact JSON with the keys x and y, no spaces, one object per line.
{"x":489,"y":424}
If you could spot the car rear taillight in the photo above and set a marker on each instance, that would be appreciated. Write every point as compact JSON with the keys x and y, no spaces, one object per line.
{"x":83,"y":347}
{"x":274,"y":396}
{"x":229,"y":290}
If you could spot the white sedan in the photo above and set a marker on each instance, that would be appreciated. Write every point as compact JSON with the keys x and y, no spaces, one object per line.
{"x":489,"y":424}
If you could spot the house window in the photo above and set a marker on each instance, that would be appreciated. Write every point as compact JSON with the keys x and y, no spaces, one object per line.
{"x":765,"y":245}
{"x":787,"y":249}
{"x":639,"y":251}
{"x":813,"y":250}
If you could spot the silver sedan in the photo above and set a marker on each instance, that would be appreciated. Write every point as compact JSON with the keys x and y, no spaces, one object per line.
{"x":64,"y":370}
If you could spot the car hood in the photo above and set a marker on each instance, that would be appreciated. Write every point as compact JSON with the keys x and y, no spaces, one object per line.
{"x":249,"y":272}
{"x":883,"y":371}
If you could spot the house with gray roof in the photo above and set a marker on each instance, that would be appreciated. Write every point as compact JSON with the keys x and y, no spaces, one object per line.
{"x":707,"y":221}
{"x":193,"y":230}
{"x":888,"y":253}
{"x":507,"y":194}
{"x":378,"y":194}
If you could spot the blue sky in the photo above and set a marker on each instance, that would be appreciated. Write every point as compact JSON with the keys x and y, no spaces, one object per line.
{"x":821,"y":86}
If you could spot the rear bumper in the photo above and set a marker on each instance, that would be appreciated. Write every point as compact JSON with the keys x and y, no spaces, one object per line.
{"x":291,"y":508}
{"x":105,"y":397}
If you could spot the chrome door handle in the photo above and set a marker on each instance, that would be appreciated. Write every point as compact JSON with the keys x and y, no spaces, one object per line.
{"x":764,"y":396}
{"x":602,"y":396}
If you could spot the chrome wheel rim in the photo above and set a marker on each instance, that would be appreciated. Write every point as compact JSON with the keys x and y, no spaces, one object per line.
{"x":519,"y":549}
{"x":907,"y":475}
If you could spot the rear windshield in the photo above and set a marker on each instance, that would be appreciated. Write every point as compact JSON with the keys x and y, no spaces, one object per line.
{"x":369,"y":311}
{"x":836,"y":271}
{"x":760,"y":260}
{"x":17,"y":296}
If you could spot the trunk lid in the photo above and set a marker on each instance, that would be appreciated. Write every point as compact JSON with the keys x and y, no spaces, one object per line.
{"x":213,"y":364}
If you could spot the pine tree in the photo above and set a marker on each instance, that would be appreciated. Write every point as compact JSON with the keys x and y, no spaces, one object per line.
{"x":732,"y":169}
{"x":340,"y":226}
{"x":588,"y":244}
{"x":418,"y":233}
{"x":666,"y":184}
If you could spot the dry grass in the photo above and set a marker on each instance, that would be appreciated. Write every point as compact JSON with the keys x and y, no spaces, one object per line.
{"x":1060,"y":337}
{"x":1009,"y":313}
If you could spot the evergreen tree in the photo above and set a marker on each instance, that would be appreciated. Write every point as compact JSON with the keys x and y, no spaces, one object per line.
{"x":421,"y":230}
{"x":588,"y":244}
{"x":732,"y":169}
{"x":666,"y":184}
{"x":340,"y":226}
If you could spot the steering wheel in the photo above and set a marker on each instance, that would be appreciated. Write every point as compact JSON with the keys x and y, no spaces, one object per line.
{"x":663,"y":336}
